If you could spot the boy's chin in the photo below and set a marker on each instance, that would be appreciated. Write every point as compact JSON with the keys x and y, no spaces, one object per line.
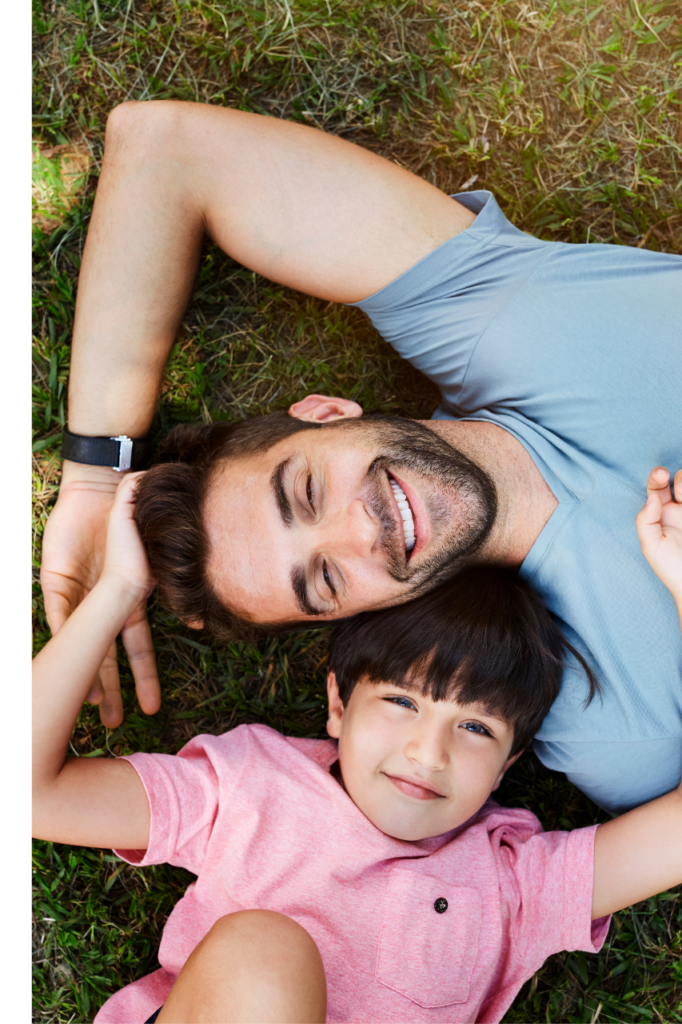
{"x":414,"y":831}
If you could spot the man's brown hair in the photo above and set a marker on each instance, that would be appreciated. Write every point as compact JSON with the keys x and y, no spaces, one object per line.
{"x":170,"y":515}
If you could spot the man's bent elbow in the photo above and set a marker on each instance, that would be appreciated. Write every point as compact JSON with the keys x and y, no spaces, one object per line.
{"x":144,"y":123}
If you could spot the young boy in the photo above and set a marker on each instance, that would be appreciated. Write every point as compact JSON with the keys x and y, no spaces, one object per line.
{"x":371,"y":880}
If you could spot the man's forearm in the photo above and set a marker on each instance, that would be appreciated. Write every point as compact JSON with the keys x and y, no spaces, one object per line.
{"x":136,"y":277}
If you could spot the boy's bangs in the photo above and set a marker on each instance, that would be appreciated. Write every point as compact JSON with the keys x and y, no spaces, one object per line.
{"x":428,"y":679}
{"x":483,"y":637}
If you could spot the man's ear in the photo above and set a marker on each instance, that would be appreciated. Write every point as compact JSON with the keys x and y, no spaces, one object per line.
{"x":194,"y":623}
{"x":335,"y":707}
{"x":508,"y":764}
{"x":323,"y":409}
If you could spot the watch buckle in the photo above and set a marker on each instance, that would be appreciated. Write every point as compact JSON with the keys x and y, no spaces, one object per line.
{"x":125,"y":453}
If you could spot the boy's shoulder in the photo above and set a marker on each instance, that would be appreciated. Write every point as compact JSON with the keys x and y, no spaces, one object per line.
{"x":273,"y":745}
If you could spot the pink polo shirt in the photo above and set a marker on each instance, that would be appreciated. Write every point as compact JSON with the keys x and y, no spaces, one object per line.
{"x":263,"y":824}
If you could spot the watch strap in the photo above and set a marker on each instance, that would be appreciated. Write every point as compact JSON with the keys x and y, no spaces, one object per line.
{"x":119,"y":453}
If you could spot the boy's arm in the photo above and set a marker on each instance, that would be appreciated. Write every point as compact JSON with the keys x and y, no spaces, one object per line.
{"x":89,"y":801}
{"x":640,"y":853}
{"x":659,"y":527}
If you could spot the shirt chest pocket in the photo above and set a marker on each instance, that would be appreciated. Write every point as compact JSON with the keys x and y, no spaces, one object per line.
{"x":428,"y":941}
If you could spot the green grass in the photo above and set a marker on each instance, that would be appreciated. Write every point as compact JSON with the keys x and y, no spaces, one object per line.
{"x":570,"y":112}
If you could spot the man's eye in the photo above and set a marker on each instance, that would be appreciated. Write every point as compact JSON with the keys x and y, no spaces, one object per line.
{"x":476,"y":727}
{"x":327,"y":578}
{"x":309,"y":492}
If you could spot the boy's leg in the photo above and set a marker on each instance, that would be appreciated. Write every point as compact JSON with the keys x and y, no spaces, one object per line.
{"x":253,"y":966}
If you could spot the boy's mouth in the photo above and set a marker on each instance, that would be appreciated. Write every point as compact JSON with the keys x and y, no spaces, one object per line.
{"x":416,"y":788}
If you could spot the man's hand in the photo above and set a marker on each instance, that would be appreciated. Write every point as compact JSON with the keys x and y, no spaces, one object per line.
{"x":659,"y":528}
{"x":73,"y":556}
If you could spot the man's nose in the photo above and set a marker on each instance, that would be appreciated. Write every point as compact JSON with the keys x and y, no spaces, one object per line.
{"x":354,"y":530}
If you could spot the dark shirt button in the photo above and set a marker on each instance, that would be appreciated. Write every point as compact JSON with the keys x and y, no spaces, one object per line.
{"x":441,"y":905}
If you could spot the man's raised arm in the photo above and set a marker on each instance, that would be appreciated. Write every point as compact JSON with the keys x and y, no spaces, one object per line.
{"x":301,"y":207}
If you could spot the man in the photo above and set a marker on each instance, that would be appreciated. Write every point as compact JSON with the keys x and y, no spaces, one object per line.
{"x":559,"y":367}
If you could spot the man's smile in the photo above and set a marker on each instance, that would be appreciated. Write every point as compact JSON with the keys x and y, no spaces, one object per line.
{"x":405,"y":513}
{"x":413,"y":515}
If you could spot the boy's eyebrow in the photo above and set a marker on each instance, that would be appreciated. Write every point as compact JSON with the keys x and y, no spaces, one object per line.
{"x":414,"y":687}
{"x":277,"y":484}
{"x":405,"y":685}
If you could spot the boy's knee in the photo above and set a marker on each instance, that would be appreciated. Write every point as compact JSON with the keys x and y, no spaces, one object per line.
{"x":253,"y":965}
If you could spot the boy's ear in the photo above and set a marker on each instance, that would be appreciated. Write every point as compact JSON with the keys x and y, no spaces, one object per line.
{"x":508,"y":763}
{"x":335,"y":707}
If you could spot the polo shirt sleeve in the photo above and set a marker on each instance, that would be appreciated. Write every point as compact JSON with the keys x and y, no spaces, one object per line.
{"x":186,"y":792}
{"x":546,"y":882}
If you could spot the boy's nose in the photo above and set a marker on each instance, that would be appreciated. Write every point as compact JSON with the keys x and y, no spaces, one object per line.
{"x":427,"y":748}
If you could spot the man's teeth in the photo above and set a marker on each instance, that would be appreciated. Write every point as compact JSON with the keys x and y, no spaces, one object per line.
{"x":406,"y":513}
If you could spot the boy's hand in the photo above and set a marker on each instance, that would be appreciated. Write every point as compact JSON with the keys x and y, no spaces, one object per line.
{"x":659,"y":528}
{"x":125,"y":559}
{"x":126,"y":565}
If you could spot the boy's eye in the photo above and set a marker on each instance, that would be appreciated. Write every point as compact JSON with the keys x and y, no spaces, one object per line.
{"x":476,"y":727}
{"x":403,"y":702}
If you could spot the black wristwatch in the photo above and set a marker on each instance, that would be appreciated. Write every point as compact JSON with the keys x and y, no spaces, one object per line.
{"x":119,"y":453}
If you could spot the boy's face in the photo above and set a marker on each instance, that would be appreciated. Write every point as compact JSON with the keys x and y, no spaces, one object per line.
{"x":414,"y":766}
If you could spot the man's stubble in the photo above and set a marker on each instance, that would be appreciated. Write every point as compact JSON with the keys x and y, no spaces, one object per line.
{"x":407,"y":444}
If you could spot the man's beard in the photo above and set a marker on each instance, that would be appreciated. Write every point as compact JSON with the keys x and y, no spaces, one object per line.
{"x":406,"y":444}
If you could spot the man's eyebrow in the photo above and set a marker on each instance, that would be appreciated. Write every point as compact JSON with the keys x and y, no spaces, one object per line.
{"x":283,"y":503}
{"x":298,"y":582}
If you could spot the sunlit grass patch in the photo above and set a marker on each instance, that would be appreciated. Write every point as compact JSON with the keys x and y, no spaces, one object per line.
{"x":59,"y":176}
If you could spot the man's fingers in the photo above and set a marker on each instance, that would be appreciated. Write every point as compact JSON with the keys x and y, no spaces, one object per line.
{"x":659,"y":483}
{"x":96,"y":692}
{"x":57,"y":610}
{"x":111,"y":708}
{"x":137,"y":638}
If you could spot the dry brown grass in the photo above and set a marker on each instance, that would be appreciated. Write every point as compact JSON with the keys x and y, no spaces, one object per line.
{"x":570,"y":111}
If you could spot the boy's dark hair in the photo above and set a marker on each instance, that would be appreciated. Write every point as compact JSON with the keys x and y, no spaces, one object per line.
{"x":484,"y":636}
{"x":169,"y":514}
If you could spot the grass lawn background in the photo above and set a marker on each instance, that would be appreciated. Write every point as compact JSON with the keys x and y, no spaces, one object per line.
{"x":570,"y":111}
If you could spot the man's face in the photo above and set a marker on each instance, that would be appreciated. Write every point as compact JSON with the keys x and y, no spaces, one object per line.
{"x":414,"y":766}
{"x":356,"y":515}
